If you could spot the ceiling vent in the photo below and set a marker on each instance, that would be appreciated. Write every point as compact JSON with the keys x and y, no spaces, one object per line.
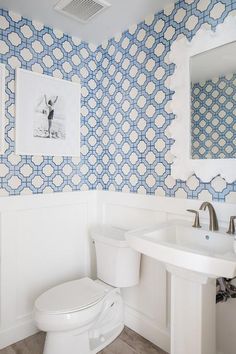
{"x":81,"y":10}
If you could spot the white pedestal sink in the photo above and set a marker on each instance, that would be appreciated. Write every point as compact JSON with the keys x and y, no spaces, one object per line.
{"x":195,"y":258}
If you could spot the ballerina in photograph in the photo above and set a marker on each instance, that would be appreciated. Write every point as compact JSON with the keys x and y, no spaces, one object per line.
{"x":49,"y":121}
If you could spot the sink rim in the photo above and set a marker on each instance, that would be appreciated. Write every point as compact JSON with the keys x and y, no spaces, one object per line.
{"x":215,"y":265}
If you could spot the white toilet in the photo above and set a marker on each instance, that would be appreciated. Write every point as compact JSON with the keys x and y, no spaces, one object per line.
{"x":84,"y":316}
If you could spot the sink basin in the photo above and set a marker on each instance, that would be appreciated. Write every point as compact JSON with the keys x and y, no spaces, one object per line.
{"x":177,"y":243}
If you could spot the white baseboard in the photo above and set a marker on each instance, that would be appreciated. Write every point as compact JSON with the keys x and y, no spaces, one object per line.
{"x":147,"y":328}
{"x":17,"y":333}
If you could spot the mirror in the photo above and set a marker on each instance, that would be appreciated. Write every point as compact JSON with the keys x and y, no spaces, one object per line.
{"x":213,"y":103}
{"x":204,"y":132}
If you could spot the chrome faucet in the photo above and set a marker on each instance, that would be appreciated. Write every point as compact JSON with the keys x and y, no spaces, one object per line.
{"x":213,"y":218}
{"x":196,"y":220}
{"x":231,"y":230}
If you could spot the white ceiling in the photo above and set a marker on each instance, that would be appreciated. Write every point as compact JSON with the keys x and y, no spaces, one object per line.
{"x":213,"y":63}
{"x":105,"y":25}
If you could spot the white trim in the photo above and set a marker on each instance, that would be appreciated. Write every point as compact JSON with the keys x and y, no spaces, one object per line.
{"x":2,"y":108}
{"x":174,"y":207}
{"x":181,"y":51}
{"x":147,"y":328}
{"x":38,"y":201}
{"x":99,"y":199}
{"x":18,"y":332}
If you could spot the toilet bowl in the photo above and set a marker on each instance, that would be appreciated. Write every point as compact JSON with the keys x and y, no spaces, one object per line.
{"x":84,"y":316}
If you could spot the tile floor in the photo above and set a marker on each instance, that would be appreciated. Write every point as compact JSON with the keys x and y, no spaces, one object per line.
{"x":128,"y":342}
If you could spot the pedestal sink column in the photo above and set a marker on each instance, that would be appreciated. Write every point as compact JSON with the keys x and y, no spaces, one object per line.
{"x":193,"y":309}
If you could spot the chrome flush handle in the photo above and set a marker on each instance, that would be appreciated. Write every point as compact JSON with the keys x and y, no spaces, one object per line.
{"x":231,"y":230}
{"x":196,"y":220}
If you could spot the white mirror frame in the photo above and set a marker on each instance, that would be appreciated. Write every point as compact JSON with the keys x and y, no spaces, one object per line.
{"x":2,"y":108}
{"x":182,"y":50}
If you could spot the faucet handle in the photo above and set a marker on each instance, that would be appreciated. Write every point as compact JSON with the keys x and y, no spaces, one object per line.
{"x":196,"y":220}
{"x":231,"y":230}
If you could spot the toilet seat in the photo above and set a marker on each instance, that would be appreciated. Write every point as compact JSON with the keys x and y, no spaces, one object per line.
{"x":71,"y":297}
{"x":55,"y":312}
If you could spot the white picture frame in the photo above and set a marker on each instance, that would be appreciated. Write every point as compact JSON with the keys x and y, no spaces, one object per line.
{"x":182,"y":50}
{"x":47,"y":115}
{"x":2,"y":108}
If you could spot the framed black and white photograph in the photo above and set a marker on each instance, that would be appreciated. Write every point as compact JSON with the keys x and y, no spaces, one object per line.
{"x":2,"y":108}
{"x":47,"y":115}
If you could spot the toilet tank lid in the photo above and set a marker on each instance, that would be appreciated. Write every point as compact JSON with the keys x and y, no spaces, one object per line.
{"x":109,"y":235}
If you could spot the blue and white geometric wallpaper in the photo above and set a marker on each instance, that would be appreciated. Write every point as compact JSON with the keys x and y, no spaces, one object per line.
{"x":32,"y":46}
{"x":135,"y":103}
{"x":214,"y":118}
{"x":125,"y":105}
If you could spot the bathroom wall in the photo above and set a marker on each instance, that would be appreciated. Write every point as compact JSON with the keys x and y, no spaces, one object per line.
{"x":136,"y":103}
{"x":32,"y":46}
{"x":213,"y":118}
{"x":125,"y":147}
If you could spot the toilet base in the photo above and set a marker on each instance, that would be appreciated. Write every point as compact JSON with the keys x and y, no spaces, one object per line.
{"x":69,"y":342}
{"x":66,"y":342}
{"x":93,"y":337}
{"x":97,"y":345}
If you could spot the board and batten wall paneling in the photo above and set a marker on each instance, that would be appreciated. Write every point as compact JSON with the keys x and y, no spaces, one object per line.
{"x":44,"y":242}
{"x":147,"y":306}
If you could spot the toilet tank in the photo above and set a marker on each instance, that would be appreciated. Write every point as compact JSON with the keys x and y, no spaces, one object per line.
{"x":117,"y":264}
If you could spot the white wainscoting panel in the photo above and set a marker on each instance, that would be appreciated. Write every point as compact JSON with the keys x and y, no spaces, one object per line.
{"x":147,"y":305}
{"x":44,"y":242}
